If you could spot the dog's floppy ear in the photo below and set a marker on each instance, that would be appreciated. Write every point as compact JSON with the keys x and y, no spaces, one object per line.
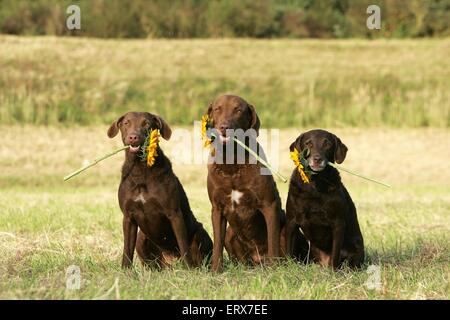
{"x":254,"y":122}
{"x":163,"y":127}
{"x":340,"y":150}
{"x":209,"y":110}
{"x":114,"y":128}
{"x":297,"y":143}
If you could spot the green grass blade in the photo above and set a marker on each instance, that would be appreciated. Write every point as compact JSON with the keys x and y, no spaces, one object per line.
{"x":358,"y":175}
{"x":265,"y":163}
{"x":73,"y":174}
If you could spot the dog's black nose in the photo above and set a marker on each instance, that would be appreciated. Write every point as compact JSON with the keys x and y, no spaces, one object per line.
{"x":223,"y":128}
{"x":317,"y":158}
{"x":132,"y":138}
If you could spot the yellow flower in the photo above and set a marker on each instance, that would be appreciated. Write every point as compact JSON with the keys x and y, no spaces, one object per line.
{"x":294,"y":156}
{"x":205,"y":120}
{"x":152,"y":147}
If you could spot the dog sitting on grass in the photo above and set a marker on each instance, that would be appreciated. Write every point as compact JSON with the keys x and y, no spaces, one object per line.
{"x":241,"y":196}
{"x":320,"y":204}
{"x":153,"y":200}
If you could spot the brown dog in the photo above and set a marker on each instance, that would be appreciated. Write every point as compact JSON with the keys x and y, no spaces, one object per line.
{"x":323,"y":207}
{"x":153,"y":199}
{"x":240,"y":194}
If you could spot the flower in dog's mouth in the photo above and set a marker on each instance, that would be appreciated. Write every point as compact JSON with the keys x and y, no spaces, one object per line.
{"x":149,"y":148}
{"x":207,"y":140}
{"x":206,"y":124}
{"x":298,"y":163}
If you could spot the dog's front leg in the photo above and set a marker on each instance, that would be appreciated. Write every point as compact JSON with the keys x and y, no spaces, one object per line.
{"x":272,"y":218}
{"x":219,"y":229}
{"x":290,"y":228}
{"x":129,"y":241}
{"x":179,"y":228}
{"x":338,"y":239}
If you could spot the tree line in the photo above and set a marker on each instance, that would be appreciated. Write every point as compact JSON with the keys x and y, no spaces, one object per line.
{"x":227,"y":18}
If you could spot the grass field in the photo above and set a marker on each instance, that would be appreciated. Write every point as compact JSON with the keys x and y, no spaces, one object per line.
{"x":334,"y":83}
{"x":387,"y":100}
{"x":46,"y":225}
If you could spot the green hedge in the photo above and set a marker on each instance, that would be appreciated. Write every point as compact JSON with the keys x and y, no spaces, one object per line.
{"x":227,"y":18}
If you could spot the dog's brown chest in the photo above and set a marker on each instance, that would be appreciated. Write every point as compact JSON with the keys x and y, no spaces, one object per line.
{"x":235,"y":200}
{"x":140,"y":203}
{"x":323,"y":211}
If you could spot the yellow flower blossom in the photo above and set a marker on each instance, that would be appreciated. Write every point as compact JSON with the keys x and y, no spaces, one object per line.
{"x":152,"y":147}
{"x":205,"y":120}
{"x":294,"y":156}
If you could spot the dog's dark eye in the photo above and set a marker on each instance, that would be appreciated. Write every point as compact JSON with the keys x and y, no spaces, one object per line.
{"x":237,"y":110}
{"x":145,"y":124}
{"x":216,"y":109}
{"x":326,"y":143}
{"x":126,"y":123}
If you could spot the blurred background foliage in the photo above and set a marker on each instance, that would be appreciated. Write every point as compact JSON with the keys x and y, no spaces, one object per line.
{"x":227,"y":18}
{"x":357,"y":82}
{"x":321,"y":83}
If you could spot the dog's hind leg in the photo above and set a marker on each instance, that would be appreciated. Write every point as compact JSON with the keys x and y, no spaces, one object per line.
{"x":235,"y":248}
{"x":148,"y":253}
{"x":299,"y":245}
{"x":201,"y":247}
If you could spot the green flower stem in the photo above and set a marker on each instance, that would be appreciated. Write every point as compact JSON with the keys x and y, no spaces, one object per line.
{"x":260,"y":160}
{"x":267,"y":165}
{"x":358,"y":175}
{"x":95,"y":162}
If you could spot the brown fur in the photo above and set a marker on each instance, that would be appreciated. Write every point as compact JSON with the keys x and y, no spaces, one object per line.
{"x":256,"y":221}
{"x":323,"y":208}
{"x":153,"y":200}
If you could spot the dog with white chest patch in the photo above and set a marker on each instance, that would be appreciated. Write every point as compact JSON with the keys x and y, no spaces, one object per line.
{"x":153,"y":200}
{"x":240,"y":195}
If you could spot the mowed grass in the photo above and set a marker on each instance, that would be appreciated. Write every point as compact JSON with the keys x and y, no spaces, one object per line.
{"x":334,"y":83}
{"x":46,"y":224}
